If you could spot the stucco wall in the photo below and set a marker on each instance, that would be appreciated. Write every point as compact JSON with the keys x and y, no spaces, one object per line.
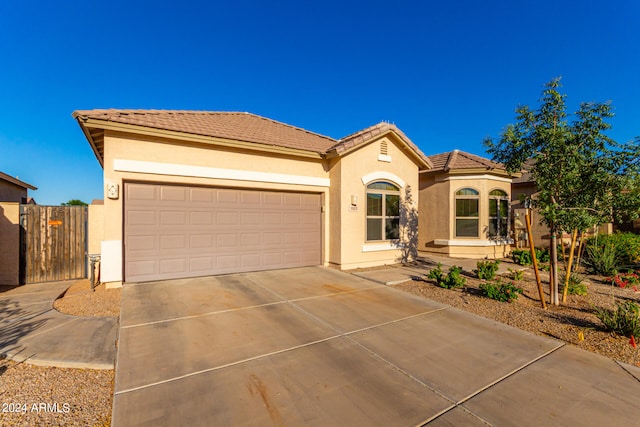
{"x":96,"y":228}
{"x":355,"y":251}
{"x":9,"y":192}
{"x":9,"y":243}
{"x":196,"y":160}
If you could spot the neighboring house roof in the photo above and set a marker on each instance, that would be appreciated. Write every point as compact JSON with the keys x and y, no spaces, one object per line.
{"x":224,"y":126}
{"x":527,"y":176}
{"x":16,"y":181}
{"x":459,"y":160}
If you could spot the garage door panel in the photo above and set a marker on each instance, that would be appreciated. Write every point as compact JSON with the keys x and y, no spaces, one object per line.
{"x":174,"y":231}
{"x":172,"y":266}
{"x":141,"y":192}
{"x":142,"y":268}
{"x":272,"y":259}
{"x":201,"y":264}
{"x":171,"y":242}
{"x":173,"y":194}
{"x":227,"y":240}
{"x":201,"y":241}
{"x":271,"y":239}
{"x":142,"y":243}
{"x":227,"y":218}
{"x":228,"y":261}
{"x":249,"y":239}
{"x":201,"y":195}
{"x":250,"y":218}
{"x":272,"y":199}
{"x":200,"y":218}
{"x":141,"y":217}
{"x":173,"y":218}
{"x":226,"y":197}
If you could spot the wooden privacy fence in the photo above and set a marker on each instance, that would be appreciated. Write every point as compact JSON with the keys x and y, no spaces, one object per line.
{"x":53,"y":243}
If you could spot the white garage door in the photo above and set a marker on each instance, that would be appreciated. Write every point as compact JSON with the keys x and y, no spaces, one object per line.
{"x":175,"y":231}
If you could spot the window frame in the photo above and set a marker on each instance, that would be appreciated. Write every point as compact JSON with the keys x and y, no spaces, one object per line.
{"x":384,"y":217}
{"x":475,"y":195}
{"x":500,"y":223}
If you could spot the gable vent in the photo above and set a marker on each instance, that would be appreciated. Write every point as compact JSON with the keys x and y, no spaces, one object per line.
{"x":383,"y":148}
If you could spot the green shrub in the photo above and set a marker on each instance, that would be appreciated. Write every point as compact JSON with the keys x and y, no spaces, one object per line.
{"x":543,"y":255}
{"x":452,"y":280}
{"x":576,"y":287}
{"x":436,"y":273}
{"x":626,"y":246}
{"x":601,"y":259}
{"x":516,"y":275}
{"x":623,"y":320}
{"x":579,"y":289}
{"x":521,"y":256}
{"x":501,"y":291}
{"x":486,"y":270}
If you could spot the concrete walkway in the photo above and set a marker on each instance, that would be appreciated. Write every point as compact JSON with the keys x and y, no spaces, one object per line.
{"x":392,"y":275}
{"x":314,"y":346}
{"x":31,"y":330}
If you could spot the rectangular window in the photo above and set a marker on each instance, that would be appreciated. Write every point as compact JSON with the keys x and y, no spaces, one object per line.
{"x":498,"y":215}
{"x":467,"y":221}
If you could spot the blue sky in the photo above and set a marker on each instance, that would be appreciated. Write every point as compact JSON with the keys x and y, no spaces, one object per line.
{"x":447,"y":73}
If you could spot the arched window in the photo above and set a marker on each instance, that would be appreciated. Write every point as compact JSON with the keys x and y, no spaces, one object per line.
{"x":467,"y":213}
{"x":383,"y":211}
{"x":498,"y":213}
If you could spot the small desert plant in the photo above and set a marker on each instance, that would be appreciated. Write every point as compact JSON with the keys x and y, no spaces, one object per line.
{"x":436,"y":273}
{"x":626,"y":246}
{"x":576,"y":287}
{"x":452,"y":280}
{"x":516,"y":275}
{"x":602,"y":259}
{"x":501,"y":291}
{"x":486,"y":270}
{"x":623,"y":320}
{"x":521,"y":257}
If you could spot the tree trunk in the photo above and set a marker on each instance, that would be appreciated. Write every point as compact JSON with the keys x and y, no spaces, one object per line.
{"x":553,"y":255}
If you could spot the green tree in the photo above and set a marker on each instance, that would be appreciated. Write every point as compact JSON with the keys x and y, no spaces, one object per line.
{"x":583,"y":177}
{"x":75,"y":202}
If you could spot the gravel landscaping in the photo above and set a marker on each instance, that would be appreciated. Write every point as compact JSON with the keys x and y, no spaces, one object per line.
{"x":47,"y":396}
{"x":573,"y":322}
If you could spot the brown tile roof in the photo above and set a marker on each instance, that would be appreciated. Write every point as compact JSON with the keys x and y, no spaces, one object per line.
{"x":228,"y":125}
{"x":16,"y":181}
{"x":459,"y":160}
{"x":236,"y":126}
{"x":527,"y":176}
{"x":365,"y":135}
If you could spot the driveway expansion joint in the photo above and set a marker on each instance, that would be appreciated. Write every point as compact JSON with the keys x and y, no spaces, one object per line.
{"x":461,"y":402}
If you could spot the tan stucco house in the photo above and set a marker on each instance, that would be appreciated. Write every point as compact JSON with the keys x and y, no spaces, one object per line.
{"x":191,"y":193}
{"x":14,"y":190}
{"x":464,"y":207}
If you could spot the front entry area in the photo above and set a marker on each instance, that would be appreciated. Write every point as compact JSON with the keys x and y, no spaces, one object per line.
{"x":177,"y":231}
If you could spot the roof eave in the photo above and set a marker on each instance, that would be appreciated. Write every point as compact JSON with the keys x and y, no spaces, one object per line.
{"x":85,"y":129}
{"x":16,"y":181}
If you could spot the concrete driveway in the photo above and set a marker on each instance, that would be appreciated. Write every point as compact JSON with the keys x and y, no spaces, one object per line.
{"x":314,"y":346}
